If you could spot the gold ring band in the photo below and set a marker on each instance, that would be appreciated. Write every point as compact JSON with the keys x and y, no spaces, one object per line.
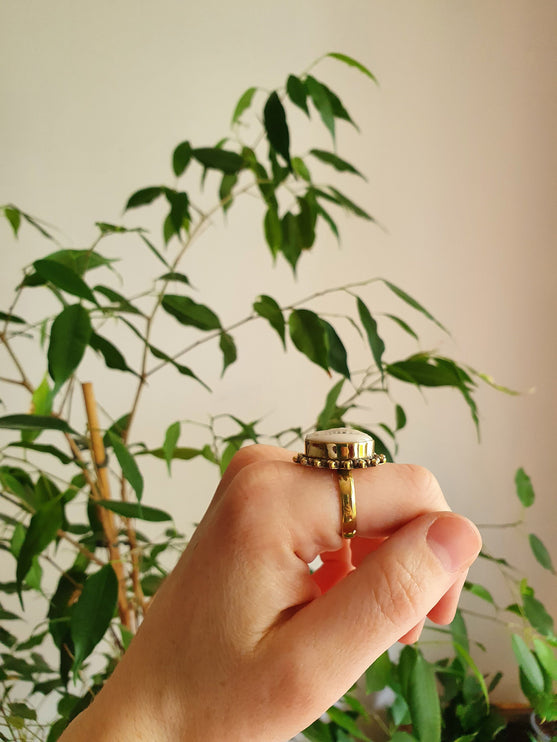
{"x":341,"y":449}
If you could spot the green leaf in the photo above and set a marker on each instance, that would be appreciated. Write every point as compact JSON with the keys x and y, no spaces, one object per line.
{"x":128,"y":464}
{"x":276,"y":127}
{"x":536,"y":612}
{"x":225,"y":191}
{"x":69,"y":337}
{"x":42,"y":530}
{"x":291,"y":239}
{"x":181,"y":158}
{"x":527,"y":663}
{"x":309,"y":336}
{"x":337,"y":162}
{"x":338,"y":358}
{"x":63,"y":278}
{"x":174,"y":276}
{"x":216,"y":158}
{"x":425,"y":371}
{"x":322,"y":102}
{"x":297,"y":92}
{"x":35,"y":422}
{"x":403,"y":325}
{"x":80,"y":261}
{"x":479,"y":591}
{"x":123,"y":304}
{"x":243,"y":104}
{"x":459,"y":632}
{"x":13,"y":215}
{"x":326,"y":416}
{"x":524,"y":488}
{"x":184,"y":454}
{"x":106,"y":228}
{"x":118,"y":428}
{"x":188,"y":312}
{"x":540,"y":552}
{"x":351,"y":62}
{"x":469,"y":662}
{"x":144,"y":196}
{"x":414,"y":304}
{"x":346,"y":203}
{"x":135,"y":510}
{"x":378,"y":675}
{"x":423,"y":701}
{"x":170,"y":440}
{"x":307,"y":218}
{"x":376,"y":344}
{"x":546,"y":657}
{"x":273,"y":230}
{"x":92,"y":613}
{"x":266,"y":307}
{"x":346,"y":722}
{"x":112,"y":356}
{"x":46,"y":449}
{"x":318,"y":732}
{"x":22,"y":711}
{"x":154,"y":250}
{"x":400,"y":417}
{"x":184,"y":370}
{"x":327,"y":217}
{"x":41,"y":404}
{"x":229,"y":351}
{"x":179,"y":214}
{"x":299,"y":167}
{"x":11,"y":318}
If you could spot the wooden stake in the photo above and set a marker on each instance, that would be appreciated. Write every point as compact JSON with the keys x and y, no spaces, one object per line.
{"x":102,"y":489}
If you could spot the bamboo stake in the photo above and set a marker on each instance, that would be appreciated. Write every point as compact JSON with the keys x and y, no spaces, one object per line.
{"x":103,"y":490}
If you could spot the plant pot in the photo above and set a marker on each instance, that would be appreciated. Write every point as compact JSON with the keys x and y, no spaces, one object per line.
{"x":545,"y":730}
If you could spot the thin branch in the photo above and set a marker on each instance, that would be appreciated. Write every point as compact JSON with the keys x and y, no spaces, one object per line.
{"x":24,"y":380}
{"x":82,"y":550}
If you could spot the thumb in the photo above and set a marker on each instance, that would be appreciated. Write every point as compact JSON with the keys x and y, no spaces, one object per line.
{"x":339,"y":634}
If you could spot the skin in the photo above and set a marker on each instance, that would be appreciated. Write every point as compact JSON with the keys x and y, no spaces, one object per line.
{"x":243,"y":642}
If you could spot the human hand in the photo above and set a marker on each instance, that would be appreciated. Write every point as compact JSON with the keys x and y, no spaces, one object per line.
{"x":242,"y":642}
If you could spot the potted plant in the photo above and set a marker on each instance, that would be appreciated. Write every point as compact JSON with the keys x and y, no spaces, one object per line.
{"x":80,"y":526}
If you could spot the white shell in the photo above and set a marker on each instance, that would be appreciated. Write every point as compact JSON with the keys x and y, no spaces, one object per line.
{"x":338,"y":435}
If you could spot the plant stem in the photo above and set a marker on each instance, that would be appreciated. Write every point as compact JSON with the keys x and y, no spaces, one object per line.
{"x":24,"y":380}
{"x":82,"y":550}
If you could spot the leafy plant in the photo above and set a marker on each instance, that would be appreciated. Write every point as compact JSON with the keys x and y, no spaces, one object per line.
{"x":71,"y":469}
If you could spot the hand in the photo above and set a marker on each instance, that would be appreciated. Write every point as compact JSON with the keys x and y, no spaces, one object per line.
{"x":243,"y":643}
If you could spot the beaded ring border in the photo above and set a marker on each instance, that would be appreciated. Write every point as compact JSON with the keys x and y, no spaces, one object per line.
{"x":341,"y":449}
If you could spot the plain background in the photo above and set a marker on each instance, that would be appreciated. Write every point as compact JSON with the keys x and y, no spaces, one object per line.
{"x":458,"y":142}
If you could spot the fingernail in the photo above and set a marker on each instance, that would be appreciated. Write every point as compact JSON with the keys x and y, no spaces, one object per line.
{"x":454,"y":540}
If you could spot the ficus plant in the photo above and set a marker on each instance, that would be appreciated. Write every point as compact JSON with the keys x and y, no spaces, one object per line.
{"x":78,"y":513}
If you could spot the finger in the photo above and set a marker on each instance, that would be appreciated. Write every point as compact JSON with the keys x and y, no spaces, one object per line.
{"x":393,"y":589}
{"x":444,"y":611}
{"x":412,"y":636}
{"x":361,"y":547}
{"x":301,"y":505}
{"x":336,"y":565}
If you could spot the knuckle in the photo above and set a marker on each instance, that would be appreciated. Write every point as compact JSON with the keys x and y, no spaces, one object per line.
{"x":424,"y":482}
{"x":251,"y":493}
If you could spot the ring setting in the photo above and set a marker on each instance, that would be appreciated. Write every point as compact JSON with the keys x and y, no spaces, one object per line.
{"x":341,"y":449}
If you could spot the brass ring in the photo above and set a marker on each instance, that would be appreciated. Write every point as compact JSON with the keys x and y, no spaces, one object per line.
{"x":341,"y":449}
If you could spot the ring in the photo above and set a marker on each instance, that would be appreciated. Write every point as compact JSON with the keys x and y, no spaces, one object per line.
{"x":342,"y":449}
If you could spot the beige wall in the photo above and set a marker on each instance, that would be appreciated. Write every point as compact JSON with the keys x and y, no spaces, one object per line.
{"x":459,"y":145}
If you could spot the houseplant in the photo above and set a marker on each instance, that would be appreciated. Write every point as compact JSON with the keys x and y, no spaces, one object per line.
{"x":70,"y":473}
